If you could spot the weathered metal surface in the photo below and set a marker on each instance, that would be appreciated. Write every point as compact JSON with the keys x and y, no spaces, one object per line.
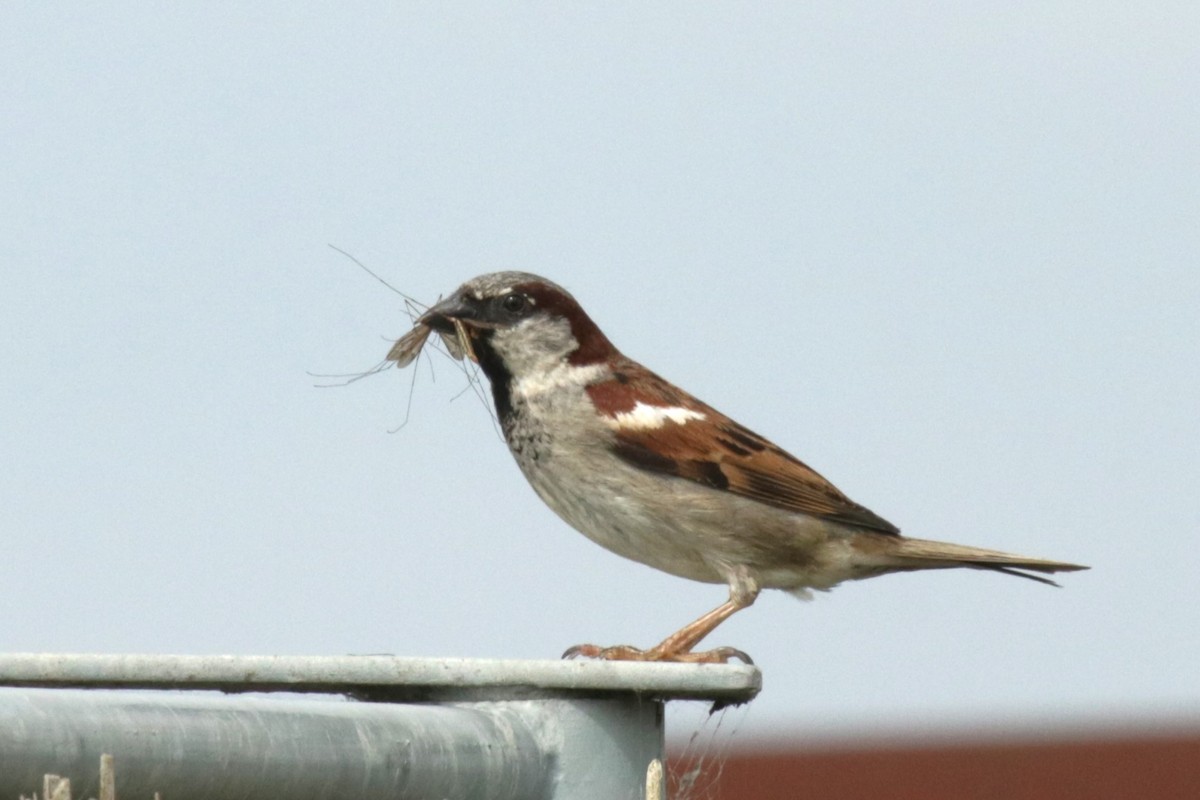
{"x":186,"y":746}
{"x":397,"y":678}
{"x":450,"y":728}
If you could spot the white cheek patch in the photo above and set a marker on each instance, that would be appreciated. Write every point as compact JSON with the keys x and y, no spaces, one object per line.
{"x":561,"y":376}
{"x":647,"y":417}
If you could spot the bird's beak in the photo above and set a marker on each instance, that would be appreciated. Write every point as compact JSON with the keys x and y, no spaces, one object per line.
{"x":456,"y":320}
{"x":442,"y":316}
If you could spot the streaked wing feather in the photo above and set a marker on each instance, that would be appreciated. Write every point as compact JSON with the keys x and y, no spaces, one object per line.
{"x":720,"y":453}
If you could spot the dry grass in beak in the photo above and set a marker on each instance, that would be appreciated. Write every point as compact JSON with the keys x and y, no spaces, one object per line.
{"x":408,"y":346}
{"x":459,"y":345}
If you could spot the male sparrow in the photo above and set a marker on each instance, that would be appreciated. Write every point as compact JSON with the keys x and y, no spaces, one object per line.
{"x":644,"y":469}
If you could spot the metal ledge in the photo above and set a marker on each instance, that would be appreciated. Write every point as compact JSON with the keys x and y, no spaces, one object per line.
{"x":494,"y":729}
{"x":378,"y":677}
{"x":204,"y":746}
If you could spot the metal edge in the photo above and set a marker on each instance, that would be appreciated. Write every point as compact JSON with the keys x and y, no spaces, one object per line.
{"x":381,"y":676}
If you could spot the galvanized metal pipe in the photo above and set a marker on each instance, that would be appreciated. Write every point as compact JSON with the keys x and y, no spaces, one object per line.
{"x":216,"y":747}
{"x":394,"y":677}
{"x":527,"y":730}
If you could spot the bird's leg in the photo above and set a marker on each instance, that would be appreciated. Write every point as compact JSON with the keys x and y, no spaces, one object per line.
{"x":678,"y":646}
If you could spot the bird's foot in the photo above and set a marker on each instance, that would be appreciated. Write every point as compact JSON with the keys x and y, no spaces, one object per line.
{"x":624,"y":652}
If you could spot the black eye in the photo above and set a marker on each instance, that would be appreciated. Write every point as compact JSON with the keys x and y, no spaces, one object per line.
{"x":514,"y":303}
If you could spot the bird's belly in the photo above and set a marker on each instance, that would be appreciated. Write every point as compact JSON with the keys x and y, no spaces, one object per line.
{"x":626,"y":518}
{"x":686,"y":529}
{"x":673,"y":524}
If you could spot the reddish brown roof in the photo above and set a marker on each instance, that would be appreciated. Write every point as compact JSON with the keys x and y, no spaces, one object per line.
{"x":1142,"y":767}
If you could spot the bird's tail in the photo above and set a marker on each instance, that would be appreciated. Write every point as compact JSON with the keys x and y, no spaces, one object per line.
{"x":907,"y":553}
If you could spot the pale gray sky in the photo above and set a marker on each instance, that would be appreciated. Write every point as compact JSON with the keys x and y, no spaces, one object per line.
{"x":945,"y":255}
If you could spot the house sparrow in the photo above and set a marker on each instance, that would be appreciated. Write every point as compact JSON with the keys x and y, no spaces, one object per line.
{"x":641,"y":467}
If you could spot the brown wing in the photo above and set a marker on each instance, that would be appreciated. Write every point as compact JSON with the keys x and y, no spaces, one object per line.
{"x":718,"y":452}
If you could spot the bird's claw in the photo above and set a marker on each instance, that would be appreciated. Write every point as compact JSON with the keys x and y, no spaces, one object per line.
{"x":624,"y":652}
